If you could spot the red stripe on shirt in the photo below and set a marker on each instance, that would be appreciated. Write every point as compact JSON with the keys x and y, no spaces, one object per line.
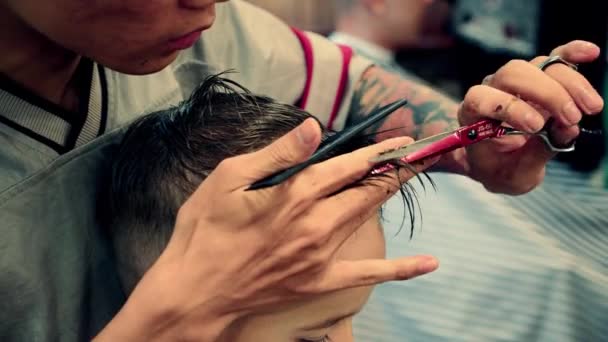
{"x":347,"y":55}
{"x":308,"y":57}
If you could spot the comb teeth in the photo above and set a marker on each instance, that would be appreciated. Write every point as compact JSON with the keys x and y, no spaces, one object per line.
{"x":330,"y":144}
{"x":345,"y":135}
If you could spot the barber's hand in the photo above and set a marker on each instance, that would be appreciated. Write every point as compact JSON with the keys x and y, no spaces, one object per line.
{"x":235,"y":251}
{"x":523,"y":96}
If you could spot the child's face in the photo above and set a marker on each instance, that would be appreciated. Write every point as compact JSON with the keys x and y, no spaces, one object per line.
{"x":324,"y":316}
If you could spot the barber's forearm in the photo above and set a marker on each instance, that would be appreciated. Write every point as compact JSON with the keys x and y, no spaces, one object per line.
{"x":428,"y":112}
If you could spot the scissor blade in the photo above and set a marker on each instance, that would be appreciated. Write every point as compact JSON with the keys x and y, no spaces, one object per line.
{"x":329,"y":145}
{"x":411,"y":148}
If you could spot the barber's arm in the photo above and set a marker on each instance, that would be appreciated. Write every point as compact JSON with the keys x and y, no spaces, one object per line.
{"x":428,"y":111}
{"x":511,"y":164}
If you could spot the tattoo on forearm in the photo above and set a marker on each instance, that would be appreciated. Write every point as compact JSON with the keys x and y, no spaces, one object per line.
{"x":428,"y":112}
{"x":368,"y":96}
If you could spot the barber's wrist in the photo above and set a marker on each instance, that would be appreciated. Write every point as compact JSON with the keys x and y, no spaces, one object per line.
{"x":134,"y":325}
{"x":150,"y":316}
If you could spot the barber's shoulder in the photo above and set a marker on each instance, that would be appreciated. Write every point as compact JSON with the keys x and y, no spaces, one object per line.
{"x":89,"y":160}
{"x":21,"y":156}
{"x":53,"y":250}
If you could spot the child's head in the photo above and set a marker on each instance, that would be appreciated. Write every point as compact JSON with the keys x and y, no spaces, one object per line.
{"x":163,"y":158}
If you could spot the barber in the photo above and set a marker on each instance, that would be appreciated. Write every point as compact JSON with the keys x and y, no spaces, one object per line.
{"x":74,"y":70}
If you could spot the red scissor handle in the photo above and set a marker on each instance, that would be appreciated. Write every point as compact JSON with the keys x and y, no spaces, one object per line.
{"x":462,"y":137}
{"x":479,"y":131}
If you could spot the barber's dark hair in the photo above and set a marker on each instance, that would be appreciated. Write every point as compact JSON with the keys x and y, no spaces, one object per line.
{"x":165,"y":155}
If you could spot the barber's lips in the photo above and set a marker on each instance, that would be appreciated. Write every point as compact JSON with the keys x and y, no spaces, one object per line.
{"x":186,"y":41}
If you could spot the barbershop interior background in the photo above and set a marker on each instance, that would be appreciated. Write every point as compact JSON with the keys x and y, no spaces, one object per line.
{"x":465,"y":40}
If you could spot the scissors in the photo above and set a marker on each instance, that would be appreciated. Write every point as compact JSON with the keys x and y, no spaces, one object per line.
{"x":330,"y":144}
{"x":448,"y":141}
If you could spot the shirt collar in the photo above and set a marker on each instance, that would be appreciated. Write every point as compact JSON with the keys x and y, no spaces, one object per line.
{"x":50,"y":124}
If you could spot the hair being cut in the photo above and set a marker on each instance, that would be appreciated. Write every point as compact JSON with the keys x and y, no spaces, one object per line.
{"x":165,"y":155}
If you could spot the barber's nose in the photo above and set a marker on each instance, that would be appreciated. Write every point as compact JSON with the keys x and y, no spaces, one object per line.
{"x":197,"y":4}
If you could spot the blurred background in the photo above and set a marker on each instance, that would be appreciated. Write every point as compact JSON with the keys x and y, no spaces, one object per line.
{"x":513,"y":268}
{"x":461,"y":41}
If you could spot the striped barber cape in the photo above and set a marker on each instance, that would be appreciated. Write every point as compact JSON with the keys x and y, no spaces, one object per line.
{"x":524,"y":268}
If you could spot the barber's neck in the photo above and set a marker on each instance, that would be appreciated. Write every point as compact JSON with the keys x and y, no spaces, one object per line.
{"x":37,"y":63}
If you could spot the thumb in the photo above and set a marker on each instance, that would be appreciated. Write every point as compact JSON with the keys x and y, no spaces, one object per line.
{"x":291,"y":149}
{"x":577,"y":51}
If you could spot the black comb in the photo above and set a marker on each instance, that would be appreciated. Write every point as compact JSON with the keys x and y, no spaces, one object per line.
{"x":328,"y":145}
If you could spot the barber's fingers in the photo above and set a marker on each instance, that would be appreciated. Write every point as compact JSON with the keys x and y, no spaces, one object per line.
{"x":344,"y":274}
{"x":347,"y":210}
{"x":559,"y":89}
{"x":579,"y":88}
{"x":488,"y":102}
{"x":532,"y":84}
{"x":577,"y":51}
{"x":562,"y":135}
{"x":323,"y":179}
{"x":293,"y":148}
{"x":328,"y":222}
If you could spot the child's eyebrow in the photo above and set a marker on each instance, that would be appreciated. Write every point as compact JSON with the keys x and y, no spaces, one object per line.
{"x":328,"y":323}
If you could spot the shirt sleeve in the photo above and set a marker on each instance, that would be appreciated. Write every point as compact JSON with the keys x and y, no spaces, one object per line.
{"x":273,"y":59}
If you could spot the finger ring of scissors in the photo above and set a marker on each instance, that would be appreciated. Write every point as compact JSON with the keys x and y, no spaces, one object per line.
{"x":556,"y":59}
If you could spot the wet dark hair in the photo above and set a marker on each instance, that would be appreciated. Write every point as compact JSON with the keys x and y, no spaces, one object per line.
{"x":165,"y":155}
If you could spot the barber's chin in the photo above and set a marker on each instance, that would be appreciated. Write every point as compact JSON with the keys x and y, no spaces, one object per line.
{"x":145,"y":66}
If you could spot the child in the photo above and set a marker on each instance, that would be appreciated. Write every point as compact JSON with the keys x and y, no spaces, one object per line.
{"x":164,"y":157}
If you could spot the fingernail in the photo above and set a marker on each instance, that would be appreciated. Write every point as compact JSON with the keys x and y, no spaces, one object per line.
{"x":572,"y":113}
{"x":584,"y":45}
{"x":306,"y":132}
{"x":534,"y":122}
{"x":428,"y":265}
{"x":593,"y":103}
